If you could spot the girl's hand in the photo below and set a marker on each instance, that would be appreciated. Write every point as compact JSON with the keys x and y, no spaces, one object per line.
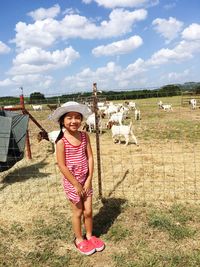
{"x":79,"y":189}
{"x":87,"y":186}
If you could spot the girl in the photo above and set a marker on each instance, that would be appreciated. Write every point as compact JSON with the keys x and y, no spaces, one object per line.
{"x":75,"y":161}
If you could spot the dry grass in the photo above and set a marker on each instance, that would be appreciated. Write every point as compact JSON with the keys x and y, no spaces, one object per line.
{"x":164,"y":168}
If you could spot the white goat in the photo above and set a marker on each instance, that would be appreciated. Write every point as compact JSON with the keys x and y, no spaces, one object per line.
{"x":90,"y":124}
{"x":111,"y":109}
{"x":8,"y":107}
{"x":193,"y":103}
{"x":160,"y":104}
{"x":167,"y":107}
{"x":117,"y":118}
{"x":132,"y":105}
{"x":37,"y":107}
{"x":123,"y":130}
{"x":137,"y":114}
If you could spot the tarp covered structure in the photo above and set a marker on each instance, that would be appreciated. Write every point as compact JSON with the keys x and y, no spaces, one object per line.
{"x":13,"y":128}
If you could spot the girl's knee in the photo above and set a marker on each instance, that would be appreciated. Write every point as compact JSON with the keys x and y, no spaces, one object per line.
{"x":78,"y":213}
{"x":87,"y":213}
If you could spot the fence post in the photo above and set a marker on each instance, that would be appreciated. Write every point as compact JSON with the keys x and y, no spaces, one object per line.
{"x":95,"y":107}
{"x":28,"y":146}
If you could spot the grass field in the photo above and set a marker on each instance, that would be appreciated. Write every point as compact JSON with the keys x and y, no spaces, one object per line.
{"x":135,"y":235}
{"x":149,"y":215}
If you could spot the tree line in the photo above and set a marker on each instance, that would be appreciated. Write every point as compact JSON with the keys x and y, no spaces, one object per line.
{"x":165,"y":91}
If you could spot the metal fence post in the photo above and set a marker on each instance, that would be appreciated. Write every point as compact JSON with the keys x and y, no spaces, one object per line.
{"x":95,"y":107}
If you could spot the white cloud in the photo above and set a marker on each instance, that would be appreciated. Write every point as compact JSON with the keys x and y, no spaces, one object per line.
{"x":131,"y":73}
{"x":46,"y":32}
{"x":123,"y":3}
{"x":4,"y":49}
{"x":6,"y":82}
{"x":36,"y":60}
{"x":184,"y":50}
{"x":42,"y":13}
{"x":83,"y":80}
{"x":41,"y":34}
{"x":70,"y":11}
{"x":107,"y":76}
{"x":118,"y":48}
{"x":192,"y":32}
{"x":169,"y":29}
{"x":31,"y":83}
{"x":121,"y":22}
{"x":175,"y":77}
{"x":162,"y":56}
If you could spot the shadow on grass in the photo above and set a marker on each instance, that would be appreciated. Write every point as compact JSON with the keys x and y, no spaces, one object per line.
{"x":111,"y":209}
{"x":24,"y":173}
{"x":119,"y":183}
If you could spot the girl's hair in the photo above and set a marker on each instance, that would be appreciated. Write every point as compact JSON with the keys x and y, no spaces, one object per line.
{"x":61,"y":122}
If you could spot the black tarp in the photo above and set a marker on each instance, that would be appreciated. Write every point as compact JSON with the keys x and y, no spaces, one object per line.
{"x":13,"y":127}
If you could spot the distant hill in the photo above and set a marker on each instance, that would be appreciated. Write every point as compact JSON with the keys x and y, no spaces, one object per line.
{"x":189,"y":86}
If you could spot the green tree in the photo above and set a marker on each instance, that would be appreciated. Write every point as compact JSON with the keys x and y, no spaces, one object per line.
{"x":36,"y":97}
{"x":170,"y":90}
{"x":197,"y":90}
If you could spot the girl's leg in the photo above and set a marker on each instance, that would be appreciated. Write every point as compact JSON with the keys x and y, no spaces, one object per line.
{"x":77,"y":212}
{"x":97,"y":243}
{"x":87,"y":214}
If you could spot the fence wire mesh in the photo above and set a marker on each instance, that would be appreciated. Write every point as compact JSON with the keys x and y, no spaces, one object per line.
{"x":165,"y":166}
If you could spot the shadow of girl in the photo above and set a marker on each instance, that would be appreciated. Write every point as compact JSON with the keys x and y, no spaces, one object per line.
{"x":107,"y":214}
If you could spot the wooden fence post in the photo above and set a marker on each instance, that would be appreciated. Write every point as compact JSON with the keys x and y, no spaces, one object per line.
{"x":95,"y":107}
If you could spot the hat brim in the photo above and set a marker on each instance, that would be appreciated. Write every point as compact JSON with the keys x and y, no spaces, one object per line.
{"x":80,"y":108}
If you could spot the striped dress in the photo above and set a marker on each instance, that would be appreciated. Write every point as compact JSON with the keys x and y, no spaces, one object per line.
{"x":77,"y":163}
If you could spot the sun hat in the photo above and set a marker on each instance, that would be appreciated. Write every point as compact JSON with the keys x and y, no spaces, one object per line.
{"x":70,"y":106}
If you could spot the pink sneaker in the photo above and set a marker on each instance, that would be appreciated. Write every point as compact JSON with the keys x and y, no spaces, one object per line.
{"x":97,"y":243}
{"x":85,"y":247}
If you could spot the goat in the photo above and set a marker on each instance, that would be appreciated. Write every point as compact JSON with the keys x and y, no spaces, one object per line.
{"x":132,"y":105}
{"x":193,"y":103}
{"x":166,"y":107}
{"x":122,"y":130}
{"x":8,"y":107}
{"x":90,"y":123}
{"x":37,"y":107}
{"x":51,"y":136}
{"x":160,"y":104}
{"x":137,"y":114}
{"x":116,"y":118}
{"x":111,"y":109}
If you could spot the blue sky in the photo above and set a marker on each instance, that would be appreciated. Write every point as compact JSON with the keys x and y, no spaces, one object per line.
{"x":63,"y":46}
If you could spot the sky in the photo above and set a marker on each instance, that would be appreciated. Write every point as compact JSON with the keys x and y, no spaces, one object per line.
{"x":64,"y":46}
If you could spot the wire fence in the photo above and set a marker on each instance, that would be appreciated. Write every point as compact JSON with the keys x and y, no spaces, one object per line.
{"x":165,"y":166}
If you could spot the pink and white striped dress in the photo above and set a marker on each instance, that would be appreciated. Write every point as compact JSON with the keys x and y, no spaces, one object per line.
{"x":77,"y":163}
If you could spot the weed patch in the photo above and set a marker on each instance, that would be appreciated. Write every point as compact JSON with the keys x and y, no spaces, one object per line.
{"x":174,"y":221}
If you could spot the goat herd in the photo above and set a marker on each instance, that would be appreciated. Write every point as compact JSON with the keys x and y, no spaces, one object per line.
{"x":114,"y":117}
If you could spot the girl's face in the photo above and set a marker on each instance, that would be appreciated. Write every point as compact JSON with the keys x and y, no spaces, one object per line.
{"x":72,"y":121}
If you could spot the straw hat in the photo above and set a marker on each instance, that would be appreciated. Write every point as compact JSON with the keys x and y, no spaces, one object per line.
{"x":70,"y":106}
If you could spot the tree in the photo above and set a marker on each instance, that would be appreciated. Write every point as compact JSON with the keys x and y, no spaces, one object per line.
{"x":36,"y":97}
{"x":170,"y":90}
{"x":197,"y":90}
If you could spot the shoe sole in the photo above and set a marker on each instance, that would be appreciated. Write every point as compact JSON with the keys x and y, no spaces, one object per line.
{"x":100,"y":249}
{"x":88,"y":253}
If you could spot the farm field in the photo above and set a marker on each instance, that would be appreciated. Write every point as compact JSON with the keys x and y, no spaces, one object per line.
{"x":149,"y":193}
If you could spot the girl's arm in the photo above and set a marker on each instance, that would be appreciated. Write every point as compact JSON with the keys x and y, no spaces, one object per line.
{"x":88,"y":183}
{"x":60,"y":155}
